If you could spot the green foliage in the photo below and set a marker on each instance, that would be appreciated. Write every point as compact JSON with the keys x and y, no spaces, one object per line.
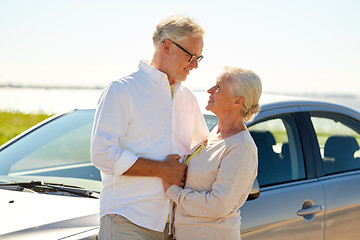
{"x":14,"y":123}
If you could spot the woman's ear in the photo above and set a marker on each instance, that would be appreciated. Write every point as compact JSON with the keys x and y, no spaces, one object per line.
{"x":240,"y":100}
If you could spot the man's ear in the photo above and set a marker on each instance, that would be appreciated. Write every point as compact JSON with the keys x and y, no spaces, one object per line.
{"x":166,"y":45}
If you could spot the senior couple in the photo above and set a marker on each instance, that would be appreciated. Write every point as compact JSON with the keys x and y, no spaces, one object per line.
{"x":163,"y":175}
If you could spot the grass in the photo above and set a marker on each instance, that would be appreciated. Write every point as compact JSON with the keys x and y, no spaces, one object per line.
{"x":14,"y":123}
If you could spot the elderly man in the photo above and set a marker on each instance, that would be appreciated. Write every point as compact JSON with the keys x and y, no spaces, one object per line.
{"x":141,"y":119}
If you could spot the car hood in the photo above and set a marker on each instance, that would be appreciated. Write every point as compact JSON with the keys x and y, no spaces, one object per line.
{"x":41,"y":216}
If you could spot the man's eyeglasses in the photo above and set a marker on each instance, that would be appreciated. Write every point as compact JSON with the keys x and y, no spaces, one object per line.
{"x":193,"y":58}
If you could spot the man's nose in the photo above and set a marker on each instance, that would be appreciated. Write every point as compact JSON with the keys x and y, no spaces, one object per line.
{"x":194,"y":63}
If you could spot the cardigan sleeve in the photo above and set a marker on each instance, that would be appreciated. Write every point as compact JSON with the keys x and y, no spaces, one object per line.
{"x":233,"y":183}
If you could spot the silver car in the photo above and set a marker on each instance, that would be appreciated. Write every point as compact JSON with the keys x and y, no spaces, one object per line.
{"x":308,"y":176}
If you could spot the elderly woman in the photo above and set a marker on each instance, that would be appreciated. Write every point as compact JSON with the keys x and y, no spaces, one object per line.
{"x":222,"y":169}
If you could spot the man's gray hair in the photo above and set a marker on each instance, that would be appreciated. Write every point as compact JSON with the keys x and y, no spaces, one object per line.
{"x":176,"y":28}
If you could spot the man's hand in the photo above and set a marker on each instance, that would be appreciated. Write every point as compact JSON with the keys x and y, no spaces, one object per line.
{"x":173,"y":171}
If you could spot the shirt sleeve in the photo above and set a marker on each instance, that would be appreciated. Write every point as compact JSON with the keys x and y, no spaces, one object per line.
{"x":110,"y":124}
{"x":234,"y":180}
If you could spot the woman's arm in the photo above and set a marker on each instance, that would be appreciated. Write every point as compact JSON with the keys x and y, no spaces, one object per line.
{"x":233,"y":183}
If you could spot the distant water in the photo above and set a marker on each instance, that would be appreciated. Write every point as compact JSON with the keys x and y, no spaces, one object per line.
{"x":35,"y":100}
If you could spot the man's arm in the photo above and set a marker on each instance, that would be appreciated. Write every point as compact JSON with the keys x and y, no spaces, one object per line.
{"x":111,"y":121}
{"x":170,"y":170}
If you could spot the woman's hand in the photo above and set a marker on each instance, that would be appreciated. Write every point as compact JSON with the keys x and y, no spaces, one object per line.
{"x":166,"y":185}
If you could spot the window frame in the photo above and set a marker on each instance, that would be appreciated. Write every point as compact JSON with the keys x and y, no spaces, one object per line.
{"x":301,"y":122}
{"x":352,"y":124}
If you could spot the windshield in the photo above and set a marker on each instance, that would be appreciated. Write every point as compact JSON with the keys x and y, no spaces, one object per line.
{"x":58,"y":151}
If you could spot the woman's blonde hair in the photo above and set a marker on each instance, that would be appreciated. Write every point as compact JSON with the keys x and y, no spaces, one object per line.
{"x":176,"y":27}
{"x":247,"y":84}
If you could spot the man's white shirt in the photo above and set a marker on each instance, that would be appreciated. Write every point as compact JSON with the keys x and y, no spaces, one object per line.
{"x":138,"y":117}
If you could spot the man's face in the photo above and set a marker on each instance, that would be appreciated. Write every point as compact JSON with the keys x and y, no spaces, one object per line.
{"x":180,"y":66}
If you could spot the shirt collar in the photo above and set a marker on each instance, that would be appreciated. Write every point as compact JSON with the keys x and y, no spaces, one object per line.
{"x":154,"y":74}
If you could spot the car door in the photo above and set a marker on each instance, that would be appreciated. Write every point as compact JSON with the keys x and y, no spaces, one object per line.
{"x":338,"y":139}
{"x":291,"y":203}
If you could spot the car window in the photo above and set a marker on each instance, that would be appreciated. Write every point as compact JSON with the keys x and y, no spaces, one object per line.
{"x":339,"y":141}
{"x":279,"y":150}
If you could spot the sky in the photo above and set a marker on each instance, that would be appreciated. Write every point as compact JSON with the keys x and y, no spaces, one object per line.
{"x":295,"y":46}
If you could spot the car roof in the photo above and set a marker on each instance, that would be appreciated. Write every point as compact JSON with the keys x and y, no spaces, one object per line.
{"x":291,"y":103}
{"x":269,"y":101}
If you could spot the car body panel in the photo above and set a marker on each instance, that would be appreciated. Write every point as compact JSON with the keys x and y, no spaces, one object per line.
{"x":342,"y":205}
{"x":30,"y":213}
{"x":274,"y":214}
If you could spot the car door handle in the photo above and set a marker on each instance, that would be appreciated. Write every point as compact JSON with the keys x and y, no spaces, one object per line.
{"x":310,"y":210}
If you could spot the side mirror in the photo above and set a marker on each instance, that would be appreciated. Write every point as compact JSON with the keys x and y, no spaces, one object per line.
{"x":255,"y":191}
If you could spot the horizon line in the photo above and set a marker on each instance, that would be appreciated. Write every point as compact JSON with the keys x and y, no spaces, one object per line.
{"x":99,"y":87}
{"x":10,"y":85}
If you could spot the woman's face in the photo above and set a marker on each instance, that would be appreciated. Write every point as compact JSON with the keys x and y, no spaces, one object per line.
{"x":221,"y":100}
